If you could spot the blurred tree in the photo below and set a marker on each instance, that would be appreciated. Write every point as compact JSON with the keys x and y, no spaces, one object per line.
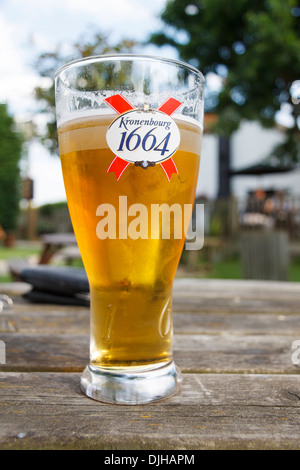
{"x":253,"y":47}
{"x":48,"y":63}
{"x":10,"y":155}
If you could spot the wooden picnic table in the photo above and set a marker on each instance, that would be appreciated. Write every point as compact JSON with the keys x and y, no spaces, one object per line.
{"x":53,"y":242}
{"x":233,"y":341}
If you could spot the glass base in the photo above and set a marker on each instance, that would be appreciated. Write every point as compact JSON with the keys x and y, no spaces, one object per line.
{"x":131,"y":387}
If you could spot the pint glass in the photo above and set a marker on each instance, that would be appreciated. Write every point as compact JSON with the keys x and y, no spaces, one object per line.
{"x":129,"y":131}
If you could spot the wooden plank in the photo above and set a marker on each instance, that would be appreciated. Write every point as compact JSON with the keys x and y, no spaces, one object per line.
{"x":230,"y":296}
{"x":224,"y":288}
{"x":44,"y":352}
{"x":190,"y":314}
{"x":228,"y":288}
{"x":202,"y":353}
{"x":49,"y":411}
{"x":194,"y":302}
{"x":47,"y":319}
{"x":235,"y":353}
{"x":204,"y":303}
{"x":77,"y":321}
{"x":237,"y":305}
{"x":237,"y":323}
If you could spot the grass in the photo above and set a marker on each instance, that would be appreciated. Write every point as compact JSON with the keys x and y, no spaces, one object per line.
{"x":295,"y":270}
{"x":231,"y":269}
{"x":17,"y":252}
{"x":227,"y":269}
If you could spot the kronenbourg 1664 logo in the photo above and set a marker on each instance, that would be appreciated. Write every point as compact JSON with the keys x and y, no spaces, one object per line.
{"x":143,"y":136}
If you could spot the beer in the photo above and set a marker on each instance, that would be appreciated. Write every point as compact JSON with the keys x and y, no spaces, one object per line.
{"x":129,"y":129}
{"x":130,"y":277}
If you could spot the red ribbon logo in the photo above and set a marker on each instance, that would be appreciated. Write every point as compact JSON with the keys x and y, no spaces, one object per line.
{"x":122,"y":105}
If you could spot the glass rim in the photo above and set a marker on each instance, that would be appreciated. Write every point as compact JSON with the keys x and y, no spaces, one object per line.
{"x":122,"y":56}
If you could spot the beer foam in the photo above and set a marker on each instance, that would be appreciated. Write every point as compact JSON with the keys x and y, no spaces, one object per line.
{"x":83,"y":114}
{"x":188,"y":119}
{"x":90,"y":113}
{"x":89,"y":131}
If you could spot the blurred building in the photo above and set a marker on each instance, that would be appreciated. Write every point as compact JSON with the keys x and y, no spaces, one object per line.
{"x":249,"y":145}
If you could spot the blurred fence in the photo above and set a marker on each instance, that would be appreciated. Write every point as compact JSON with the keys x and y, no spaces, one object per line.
{"x":263,"y":230}
{"x":269,"y":224}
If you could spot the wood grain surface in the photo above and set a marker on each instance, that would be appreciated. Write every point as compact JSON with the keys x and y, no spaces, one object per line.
{"x":232,"y":340}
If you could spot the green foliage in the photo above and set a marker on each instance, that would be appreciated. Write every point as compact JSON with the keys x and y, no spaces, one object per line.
{"x":10,"y":155}
{"x":216,"y":226}
{"x":51,"y":208}
{"x":253,"y":46}
{"x":54,"y":217}
{"x":90,"y":44}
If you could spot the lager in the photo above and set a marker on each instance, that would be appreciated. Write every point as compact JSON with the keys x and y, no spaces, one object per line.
{"x":129,"y":133}
{"x":130,"y":279}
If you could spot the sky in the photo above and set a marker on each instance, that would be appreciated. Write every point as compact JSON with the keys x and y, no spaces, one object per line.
{"x":30,"y":27}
